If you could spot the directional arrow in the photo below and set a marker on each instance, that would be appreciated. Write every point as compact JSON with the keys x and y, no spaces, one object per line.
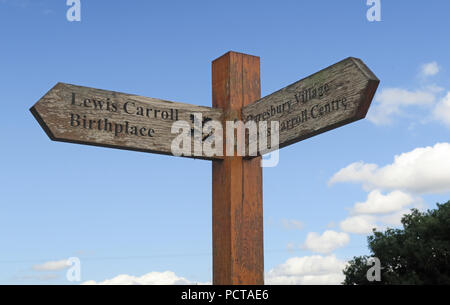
{"x":90,"y":116}
{"x":335,"y":96}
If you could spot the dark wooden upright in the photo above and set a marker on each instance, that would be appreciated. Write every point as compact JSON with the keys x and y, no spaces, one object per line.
{"x":238,"y":252}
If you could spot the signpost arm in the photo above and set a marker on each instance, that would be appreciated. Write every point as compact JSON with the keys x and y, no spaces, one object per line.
{"x":237,"y":211}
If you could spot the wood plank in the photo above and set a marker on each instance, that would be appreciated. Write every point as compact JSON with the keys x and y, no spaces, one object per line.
{"x":83,"y":115}
{"x":333,"y":97}
{"x":238,"y":252}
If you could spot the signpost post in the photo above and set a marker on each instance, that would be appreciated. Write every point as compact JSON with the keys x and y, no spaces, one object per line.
{"x":238,"y":253}
{"x":335,"y":96}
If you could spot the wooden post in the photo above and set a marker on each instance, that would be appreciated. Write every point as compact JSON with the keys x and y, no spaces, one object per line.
{"x":237,"y":220}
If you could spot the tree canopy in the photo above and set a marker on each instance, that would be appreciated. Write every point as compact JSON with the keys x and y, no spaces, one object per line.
{"x":418,"y":254}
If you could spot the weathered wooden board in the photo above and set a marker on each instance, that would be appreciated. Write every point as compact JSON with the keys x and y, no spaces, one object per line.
{"x":335,"y":96}
{"x":97,"y":117}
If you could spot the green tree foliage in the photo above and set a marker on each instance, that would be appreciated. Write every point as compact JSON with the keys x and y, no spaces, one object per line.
{"x":418,"y":254}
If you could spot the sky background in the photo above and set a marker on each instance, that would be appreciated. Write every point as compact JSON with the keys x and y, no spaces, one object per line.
{"x":147,"y":217}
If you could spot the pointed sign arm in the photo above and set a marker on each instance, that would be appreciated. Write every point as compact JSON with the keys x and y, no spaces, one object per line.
{"x":83,"y":115}
{"x":330,"y":98}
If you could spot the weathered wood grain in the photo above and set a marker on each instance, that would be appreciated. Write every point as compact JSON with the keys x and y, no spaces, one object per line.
{"x":64,"y":113}
{"x":335,"y":96}
{"x":238,"y":252}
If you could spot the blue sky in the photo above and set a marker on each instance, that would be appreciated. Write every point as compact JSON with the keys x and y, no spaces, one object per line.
{"x":148,"y":216}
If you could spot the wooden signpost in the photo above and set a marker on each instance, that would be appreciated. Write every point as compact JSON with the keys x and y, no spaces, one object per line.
{"x":97,"y":117}
{"x":335,"y":96}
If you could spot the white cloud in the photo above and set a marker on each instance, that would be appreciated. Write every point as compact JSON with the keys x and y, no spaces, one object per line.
{"x":377,"y":203}
{"x":395,"y":97}
{"x":308,"y":270}
{"x":379,"y":211}
{"x":434,"y":88}
{"x":394,"y":219}
{"x":430,"y":69}
{"x":327,"y":242}
{"x":152,"y":278}
{"x":52,"y":265}
{"x":361,"y":224}
{"x":355,"y":172}
{"x":422,"y":170}
{"x":442,"y":110}
{"x":292,"y":224}
{"x":391,"y":101}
